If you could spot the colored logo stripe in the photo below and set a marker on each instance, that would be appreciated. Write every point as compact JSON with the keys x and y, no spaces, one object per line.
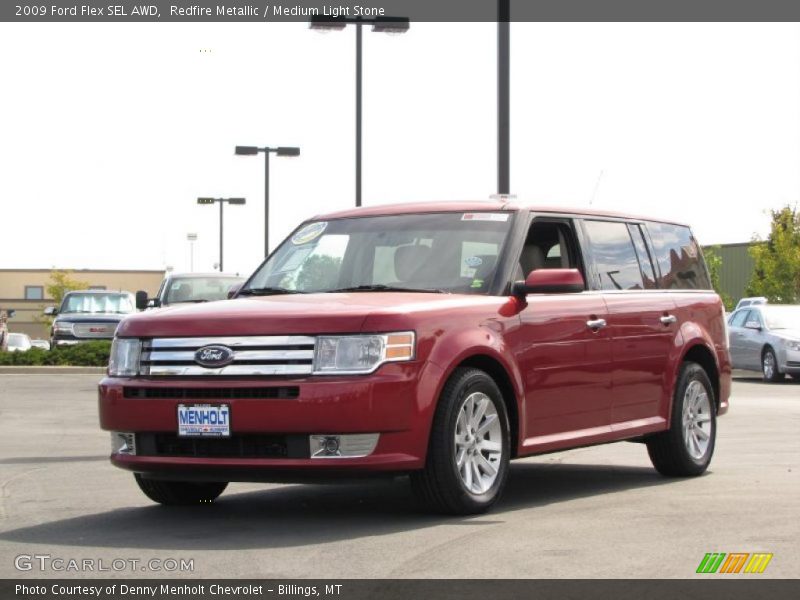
{"x":713,"y":562}
{"x":758,"y":562}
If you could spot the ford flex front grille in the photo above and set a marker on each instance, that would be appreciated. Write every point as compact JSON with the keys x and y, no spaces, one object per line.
{"x":257,"y":355}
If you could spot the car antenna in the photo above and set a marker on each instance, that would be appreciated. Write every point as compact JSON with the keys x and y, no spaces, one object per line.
{"x":597,"y":186}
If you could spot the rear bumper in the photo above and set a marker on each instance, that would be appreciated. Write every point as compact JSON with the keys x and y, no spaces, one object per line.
{"x":386,"y":402}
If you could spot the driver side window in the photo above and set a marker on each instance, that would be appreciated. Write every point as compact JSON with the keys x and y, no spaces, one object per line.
{"x":550,"y":244}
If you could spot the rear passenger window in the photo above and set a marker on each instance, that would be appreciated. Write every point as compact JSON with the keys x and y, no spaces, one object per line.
{"x":678,"y":256}
{"x":615,"y":262}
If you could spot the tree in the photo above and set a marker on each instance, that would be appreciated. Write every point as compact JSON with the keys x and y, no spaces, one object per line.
{"x":777,"y":261}
{"x":714,"y":264}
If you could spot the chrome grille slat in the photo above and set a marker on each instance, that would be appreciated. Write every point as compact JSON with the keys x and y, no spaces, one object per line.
{"x":252,"y":355}
{"x":188,"y":355}
{"x":194,"y":370}
{"x":232,"y":342}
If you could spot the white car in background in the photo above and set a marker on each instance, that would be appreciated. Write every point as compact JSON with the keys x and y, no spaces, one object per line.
{"x":18,"y":342}
{"x":43,"y":344}
{"x":750,"y":302}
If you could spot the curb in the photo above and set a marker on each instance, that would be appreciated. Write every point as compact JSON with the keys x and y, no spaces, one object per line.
{"x":51,"y":370}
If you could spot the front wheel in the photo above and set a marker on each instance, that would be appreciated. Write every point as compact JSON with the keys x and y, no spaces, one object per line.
{"x":469,"y":447}
{"x":769,"y":366}
{"x":685,"y":449}
{"x":180,"y":493}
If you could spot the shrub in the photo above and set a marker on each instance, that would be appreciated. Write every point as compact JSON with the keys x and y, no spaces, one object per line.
{"x":86,"y":354}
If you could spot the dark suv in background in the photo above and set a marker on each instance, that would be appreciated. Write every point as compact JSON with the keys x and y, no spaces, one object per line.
{"x":88,"y":315}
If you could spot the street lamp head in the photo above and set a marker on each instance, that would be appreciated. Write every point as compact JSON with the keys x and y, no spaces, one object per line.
{"x":287,"y":151}
{"x":205,"y":200}
{"x":246,"y":150}
{"x":326,"y":24}
{"x":391,"y":24}
{"x":192,"y":237}
{"x":235,"y":200}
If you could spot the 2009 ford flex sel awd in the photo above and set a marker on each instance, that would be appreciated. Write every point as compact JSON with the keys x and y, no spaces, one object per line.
{"x":437,"y":340}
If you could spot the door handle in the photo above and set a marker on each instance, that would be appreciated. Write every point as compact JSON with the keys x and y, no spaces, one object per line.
{"x":596,"y":323}
{"x":669,"y":319}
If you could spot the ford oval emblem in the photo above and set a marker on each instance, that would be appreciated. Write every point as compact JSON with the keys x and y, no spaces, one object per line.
{"x":213,"y":356}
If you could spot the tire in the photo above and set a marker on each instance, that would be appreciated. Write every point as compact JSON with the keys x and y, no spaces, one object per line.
{"x":180,"y":493}
{"x":769,"y":366}
{"x":445,"y":487}
{"x":682,"y":451}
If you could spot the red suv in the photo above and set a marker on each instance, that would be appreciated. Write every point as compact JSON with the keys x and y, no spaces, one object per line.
{"x":437,"y":340}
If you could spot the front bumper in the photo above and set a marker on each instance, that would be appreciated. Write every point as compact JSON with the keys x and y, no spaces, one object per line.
{"x":386,"y":402}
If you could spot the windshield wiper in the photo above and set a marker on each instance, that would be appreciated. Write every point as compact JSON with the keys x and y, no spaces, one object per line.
{"x":267,"y":291}
{"x":379,"y":287}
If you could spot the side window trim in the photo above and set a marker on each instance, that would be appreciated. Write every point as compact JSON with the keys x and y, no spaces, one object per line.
{"x":635,"y":231}
{"x":652,"y":252}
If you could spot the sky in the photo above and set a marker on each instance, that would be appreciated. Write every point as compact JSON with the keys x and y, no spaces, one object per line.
{"x":110,"y":131}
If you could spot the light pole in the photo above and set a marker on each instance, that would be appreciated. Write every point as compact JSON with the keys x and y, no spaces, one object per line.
{"x":503,"y":97}
{"x":380,"y":25}
{"x":192,"y":237}
{"x":221,"y":201}
{"x":279,"y":151}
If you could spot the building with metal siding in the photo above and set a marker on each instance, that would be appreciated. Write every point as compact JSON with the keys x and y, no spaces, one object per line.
{"x":736,"y":269}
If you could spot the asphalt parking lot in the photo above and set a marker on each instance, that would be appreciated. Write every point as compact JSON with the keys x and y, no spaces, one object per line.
{"x":594,"y":512}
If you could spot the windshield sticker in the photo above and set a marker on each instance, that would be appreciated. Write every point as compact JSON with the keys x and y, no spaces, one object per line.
{"x":473,"y":261}
{"x":309,"y":233}
{"x":502,"y":217}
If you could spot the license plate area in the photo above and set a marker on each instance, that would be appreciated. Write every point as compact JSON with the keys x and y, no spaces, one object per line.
{"x":204,"y":420}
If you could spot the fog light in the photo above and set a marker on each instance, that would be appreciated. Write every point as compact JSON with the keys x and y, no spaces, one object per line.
{"x":123,"y":443}
{"x":343,"y":446}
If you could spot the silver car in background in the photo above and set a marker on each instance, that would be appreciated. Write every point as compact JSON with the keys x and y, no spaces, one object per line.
{"x":766,"y":338}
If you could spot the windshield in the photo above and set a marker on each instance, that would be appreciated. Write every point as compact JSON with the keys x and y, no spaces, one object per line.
{"x":450,"y":252}
{"x":782,"y":317}
{"x":97,"y":303}
{"x":199,"y":289}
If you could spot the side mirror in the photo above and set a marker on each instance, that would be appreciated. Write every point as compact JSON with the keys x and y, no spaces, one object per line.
{"x":141,"y":300}
{"x":753,"y":325}
{"x":51,"y":311}
{"x":550,"y":281}
{"x":233,"y":290}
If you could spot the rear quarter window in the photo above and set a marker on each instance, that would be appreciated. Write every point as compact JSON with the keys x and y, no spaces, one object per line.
{"x":679,"y":257}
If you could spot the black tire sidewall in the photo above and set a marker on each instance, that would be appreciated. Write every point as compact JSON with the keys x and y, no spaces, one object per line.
{"x":476,"y":381}
{"x":775,"y":373}
{"x":694,"y":372}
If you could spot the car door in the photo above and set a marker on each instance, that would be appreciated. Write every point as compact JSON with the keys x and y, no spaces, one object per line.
{"x":752,"y":340}
{"x":641,"y":321}
{"x":564,"y":359}
{"x":736,"y":337}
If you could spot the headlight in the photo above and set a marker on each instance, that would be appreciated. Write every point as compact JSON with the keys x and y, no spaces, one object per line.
{"x":791,"y":344}
{"x":361,"y":353}
{"x":124,"y":359}
{"x":62,"y":327}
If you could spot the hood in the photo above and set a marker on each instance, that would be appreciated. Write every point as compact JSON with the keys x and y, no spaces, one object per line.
{"x":788,"y":334}
{"x":91,"y":317}
{"x":301,"y":314}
